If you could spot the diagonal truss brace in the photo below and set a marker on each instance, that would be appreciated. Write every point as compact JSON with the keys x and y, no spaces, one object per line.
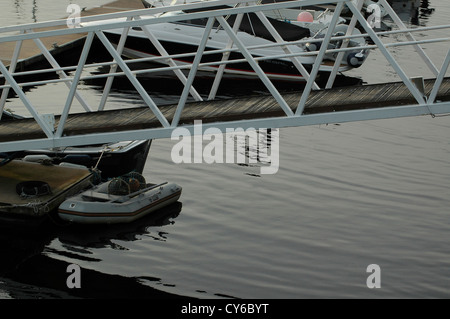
{"x":319,"y":59}
{"x":285,"y":48}
{"x":12,"y":69}
{"x":138,"y":86}
{"x":113,"y":69}
{"x":162,"y":51}
{"x":409,"y":36}
{"x":60,"y":73}
{"x":255,"y":67}
{"x":38,"y":117}
{"x":193,"y":71}
{"x":225,"y":58}
{"x":439,"y":79}
{"x":344,"y":45}
{"x":75,"y":81}
{"x":412,"y":88}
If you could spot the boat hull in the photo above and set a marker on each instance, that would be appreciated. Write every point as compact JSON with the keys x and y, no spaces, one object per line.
{"x":112,"y":159}
{"x":80,"y":210}
{"x":117,"y":160}
{"x":179,"y":38}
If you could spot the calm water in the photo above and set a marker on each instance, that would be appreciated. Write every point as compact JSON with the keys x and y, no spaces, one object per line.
{"x":345,"y":196}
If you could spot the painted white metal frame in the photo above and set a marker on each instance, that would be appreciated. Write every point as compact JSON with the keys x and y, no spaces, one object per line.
{"x":139,"y":18}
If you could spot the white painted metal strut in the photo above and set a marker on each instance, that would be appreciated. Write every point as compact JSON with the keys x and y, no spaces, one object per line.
{"x":286,"y":49}
{"x":409,"y":36}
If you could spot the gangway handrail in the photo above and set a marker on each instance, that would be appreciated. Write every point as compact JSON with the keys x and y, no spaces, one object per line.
{"x":174,"y":56}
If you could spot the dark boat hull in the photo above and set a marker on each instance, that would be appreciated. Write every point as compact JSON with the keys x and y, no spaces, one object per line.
{"x":112,"y":163}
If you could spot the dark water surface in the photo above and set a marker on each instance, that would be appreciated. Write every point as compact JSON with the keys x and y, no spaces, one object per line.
{"x":345,"y":197}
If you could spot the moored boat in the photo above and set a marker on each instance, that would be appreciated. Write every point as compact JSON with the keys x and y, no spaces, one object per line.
{"x":183,"y":37}
{"x":111,"y":159}
{"x":30,"y":192}
{"x":120,"y":200}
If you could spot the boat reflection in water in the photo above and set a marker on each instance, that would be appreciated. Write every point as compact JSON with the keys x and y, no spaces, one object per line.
{"x":33,"y":268}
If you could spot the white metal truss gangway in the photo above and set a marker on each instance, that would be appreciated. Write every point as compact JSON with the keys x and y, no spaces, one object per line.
{"x":53,"y":128}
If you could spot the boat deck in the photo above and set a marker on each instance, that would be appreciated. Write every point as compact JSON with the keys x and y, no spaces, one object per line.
{"x":252,"y":107}
{"x":63,"y":182}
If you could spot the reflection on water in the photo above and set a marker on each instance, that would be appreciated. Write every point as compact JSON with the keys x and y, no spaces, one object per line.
{"x":24,"y":11}
{"x":26,"y":271}
{"x":413,"y":12}
{"x":99,"y":236}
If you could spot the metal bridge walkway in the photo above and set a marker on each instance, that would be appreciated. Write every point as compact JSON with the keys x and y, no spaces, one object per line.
{"x":311,"y":106}
{"x":336,"y":100}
